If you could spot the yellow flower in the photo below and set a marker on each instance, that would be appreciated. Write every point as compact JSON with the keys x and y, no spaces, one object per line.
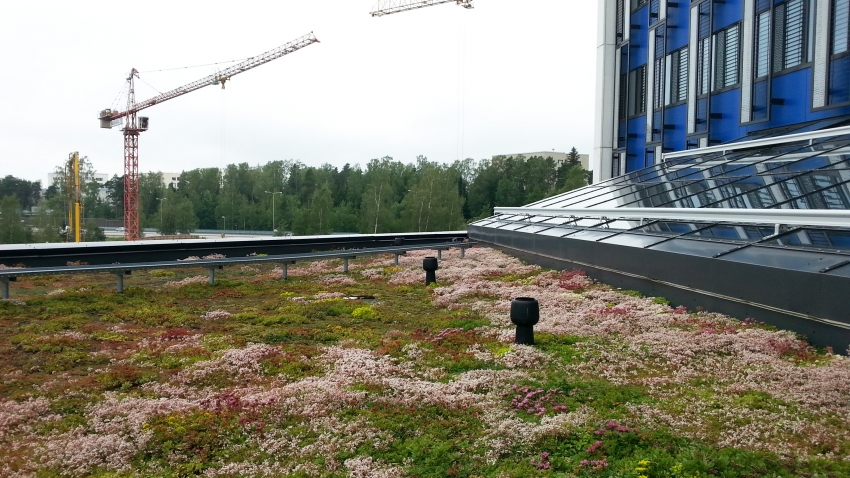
{"x":642,"y":476}
{"x":643,"y":462}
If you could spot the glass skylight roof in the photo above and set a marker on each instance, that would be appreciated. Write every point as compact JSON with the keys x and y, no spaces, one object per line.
{"x":796,"y":174}
{"x":810,"y":174}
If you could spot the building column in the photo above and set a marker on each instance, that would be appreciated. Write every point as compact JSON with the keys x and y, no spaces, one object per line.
{"x":606,"y":74}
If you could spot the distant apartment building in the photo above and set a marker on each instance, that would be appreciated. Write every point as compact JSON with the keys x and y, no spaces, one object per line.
{"x":170,"y":180}
{"x":54,"y":179}
{"x":560,"y":158}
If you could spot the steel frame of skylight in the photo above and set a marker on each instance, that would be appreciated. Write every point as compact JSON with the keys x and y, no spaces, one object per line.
{"x":760,"y":143}
{"x":791,"y":217}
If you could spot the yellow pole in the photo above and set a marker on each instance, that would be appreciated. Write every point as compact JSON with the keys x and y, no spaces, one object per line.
{"x":69,"y":194}
{"x":77,"y":197}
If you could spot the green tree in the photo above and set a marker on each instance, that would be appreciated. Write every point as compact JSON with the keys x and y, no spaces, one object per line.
{"x":12,"y":228}
{"x":378,"y":197}
{"x":93,"y":233}
{"x":150,"y":188}
{"x":574,"y":177}
{"x":573,"y":158}
{"x":115,"y":195}
{"x":28,"y":193}
{"x":316,"y":216}
{"x":50,"y":221}
{"x":571,"y":175}
{"x":433,"y":202}
{"x":178,"y":215}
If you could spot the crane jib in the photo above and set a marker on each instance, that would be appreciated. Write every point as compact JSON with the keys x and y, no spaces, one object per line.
{"x":216,"y":78}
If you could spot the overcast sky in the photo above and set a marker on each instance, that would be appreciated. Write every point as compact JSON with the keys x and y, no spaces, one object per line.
{"x":509,"y":76}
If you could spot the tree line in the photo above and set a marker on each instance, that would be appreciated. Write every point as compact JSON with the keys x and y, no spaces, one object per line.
{"x":290,"y":197}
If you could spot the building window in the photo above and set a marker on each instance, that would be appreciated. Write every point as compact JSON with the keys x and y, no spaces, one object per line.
{"x":637,"y":91}
{"x":790,"y":42}
{"x":616,"y":162}
{"x":704,"y":48}
{"x":726,"y":47}
{"x":620,"y":20}
{"x":653,"y":11}
{"x":658,"y":71}
{"x":638,"y":3}
{"x":658,"y":90}
{"x":677,"y":76}
{"x":839,"y":69}
{"x":762,"y":56}
{"x":840,"y":19}
{"x":621,"y":107}
{"x":703,"y":65}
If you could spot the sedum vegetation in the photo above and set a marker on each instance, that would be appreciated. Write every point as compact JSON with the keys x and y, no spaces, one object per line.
{"x":371,"y":374}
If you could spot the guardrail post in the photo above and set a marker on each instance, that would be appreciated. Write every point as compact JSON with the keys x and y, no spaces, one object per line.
{"x":439,"y":254}
{"x":4,"y":287}
{"x":119,"y":287}
{"x":345,"y":265}
{"x":284,"y":273}
{"x":212,"y":275}
{"x":462,"y":252}
{"x":396,"y":259}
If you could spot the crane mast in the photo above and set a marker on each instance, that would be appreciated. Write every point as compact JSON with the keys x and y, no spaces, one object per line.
{"x":135,"y":124}
{"x":387,"y":7}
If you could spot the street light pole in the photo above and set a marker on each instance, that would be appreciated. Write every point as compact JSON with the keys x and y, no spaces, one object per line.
{"x":224,"y":226}
{"x":273,"y":193}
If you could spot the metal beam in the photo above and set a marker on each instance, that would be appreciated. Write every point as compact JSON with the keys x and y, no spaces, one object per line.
{"x":103,"y":253}
{"x":792,"y":217}
{"x":760,"y":143}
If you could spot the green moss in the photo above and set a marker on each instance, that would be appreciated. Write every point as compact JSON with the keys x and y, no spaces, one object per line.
{"x":125,"y":377}
{"x":161,"y":273}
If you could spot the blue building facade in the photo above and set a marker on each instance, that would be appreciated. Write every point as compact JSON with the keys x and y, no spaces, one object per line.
{"x":691,"y":74}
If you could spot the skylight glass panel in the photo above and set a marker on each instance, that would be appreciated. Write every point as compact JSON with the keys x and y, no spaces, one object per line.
{"x":620,"y":225}
{"x":723,"y":232}
{"x":559,"y":220}
{"x":482,"y":222}
{"x":815,"y":239}
{"x":633,"y":240}
{"x":588,"y":222}
{"x":670,"y":227}
{"x":589,"y":235}
{"x":557,"y":232}
{"x":512,"y":227}
{"x":533,"y":228}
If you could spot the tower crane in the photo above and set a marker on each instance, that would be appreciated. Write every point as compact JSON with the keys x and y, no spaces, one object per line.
{"x":387,"y":7}
{"x":134,"y":124}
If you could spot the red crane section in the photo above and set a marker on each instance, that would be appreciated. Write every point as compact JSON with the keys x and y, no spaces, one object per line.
{"x":387,"y":7}
{"x":134,"y":124}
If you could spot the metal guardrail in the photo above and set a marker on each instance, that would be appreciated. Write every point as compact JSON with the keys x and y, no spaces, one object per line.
{"x":120,"y":270}
{"x":791,"y":217}
{"x":105,"y":253}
